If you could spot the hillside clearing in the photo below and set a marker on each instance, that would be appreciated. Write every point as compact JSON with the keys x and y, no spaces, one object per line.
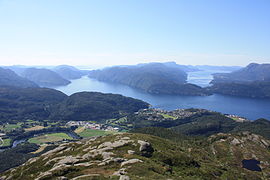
{"x":49,"y":138}
{"x":93,"y":132}
{"x":35,"y":128}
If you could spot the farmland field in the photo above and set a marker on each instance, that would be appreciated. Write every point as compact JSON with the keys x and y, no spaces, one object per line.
{"x":166,"y":116}
{"x":47,"y":138}
{"x":79,"y":130}
{"x":10,"y":127}
{"x":5,"y":142}
{"x":35,"y":128}
{"x":93,"y":132}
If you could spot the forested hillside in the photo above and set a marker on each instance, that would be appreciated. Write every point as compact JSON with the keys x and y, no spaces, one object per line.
{"x":94,"y":106}
{"x":10,"y":78}
{"x":156,"y":78}
{"x":44,"y":77}
{"x":42,"y":103}
{"x":252,"y":81}
{"x":68,"y":72}
{"x":18,"y":104}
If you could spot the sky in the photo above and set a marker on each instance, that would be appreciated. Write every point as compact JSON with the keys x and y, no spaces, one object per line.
{"x":116,"y":32}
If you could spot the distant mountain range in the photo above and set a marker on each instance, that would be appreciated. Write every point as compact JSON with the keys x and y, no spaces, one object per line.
{"x":44,"y":77}
{"x":251,"y":81}
{"x":170,"y":78}
{"x":49,"y":76}
{"x":69,"y":72}
{"x":155,"y":78}
{"x":9,"y":78}
{"x":252,"y":72}
{"x":217,"y":68}
{"x":172,"y":64}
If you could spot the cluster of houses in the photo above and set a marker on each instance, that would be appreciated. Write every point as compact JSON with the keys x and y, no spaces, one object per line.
{"x":91,"y":125}
{"x":183,"y":113}
{"x":236,"y":118}
{"x":155,"y":114}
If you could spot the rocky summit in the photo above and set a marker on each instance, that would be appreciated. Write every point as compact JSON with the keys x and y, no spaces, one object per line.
{"x":126,"y":156}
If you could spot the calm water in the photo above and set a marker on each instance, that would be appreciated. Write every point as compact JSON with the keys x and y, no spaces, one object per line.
{"x":251,"y":164}
{"x":202,"y":78}
{"x":246,"y":107}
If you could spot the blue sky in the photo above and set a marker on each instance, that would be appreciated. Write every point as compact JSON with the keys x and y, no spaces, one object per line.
{"x":110,"y":32}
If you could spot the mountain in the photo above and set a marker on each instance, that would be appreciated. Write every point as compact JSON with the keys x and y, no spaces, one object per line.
{"x":18,"y":69}
{"x":256,"y":89}
{"x":179,"y":144}
{"x":94,"y":106}
{"x":19,"y":104}
{"x":206,"y":124}
{"x":49,"y":104}
{"x":44,"y":77}
{"x":217,"y":68}
{"x":252,"y":72}
{"x":65,"y":71}
{"x":68,"y":72}
{"x":128,"y":156}
{"x":9,"y":78}
{"x":259,"y":126}
{"x":155,"y":78}
{"x":194,"y":122}
{"x":251,"y":81}
{"x":212,"y":123}
{"x":172,"y":64}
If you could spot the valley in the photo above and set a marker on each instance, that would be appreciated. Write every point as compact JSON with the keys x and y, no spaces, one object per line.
{"x":134,"y":90}
{"x":36,"y":121}
{"x":251,"y":108}
{"x":35,"y":137}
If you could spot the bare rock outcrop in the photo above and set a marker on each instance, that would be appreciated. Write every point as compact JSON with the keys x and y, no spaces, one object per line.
{"x":124,"y":177}
{"x":131,"y":161}
{"x":146,"y":148}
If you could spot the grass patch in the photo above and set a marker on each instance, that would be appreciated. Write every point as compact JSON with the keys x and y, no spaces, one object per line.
{"x":79,"y":130}
{"x":41,"y":148}
{"x":35,"y":128}
{"x":166,"y":116}
{"x":93,"y":132}
{"x":10,"y":127}
{"x":6,"y":142}
{"x":48,"y":138}
{"x":122,"y":120}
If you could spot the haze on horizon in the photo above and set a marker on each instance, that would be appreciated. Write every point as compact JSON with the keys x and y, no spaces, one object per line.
{"x":225,"y":32}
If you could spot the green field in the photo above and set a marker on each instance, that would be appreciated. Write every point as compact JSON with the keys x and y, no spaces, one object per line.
{"x":93,"y":132}
{"x":10,"y":127}
{"x":166,"y":116}
{"x":6,"y":142}
{"x":47,"y":138}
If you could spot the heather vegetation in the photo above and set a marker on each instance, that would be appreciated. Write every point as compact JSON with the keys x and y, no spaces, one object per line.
{"x":141,"y":156}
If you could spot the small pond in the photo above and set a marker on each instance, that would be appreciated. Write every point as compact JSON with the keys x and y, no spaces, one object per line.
{"x":251,"y":164}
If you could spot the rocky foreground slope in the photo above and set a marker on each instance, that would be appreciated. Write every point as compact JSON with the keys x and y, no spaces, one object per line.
{"x":139,"y":156}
